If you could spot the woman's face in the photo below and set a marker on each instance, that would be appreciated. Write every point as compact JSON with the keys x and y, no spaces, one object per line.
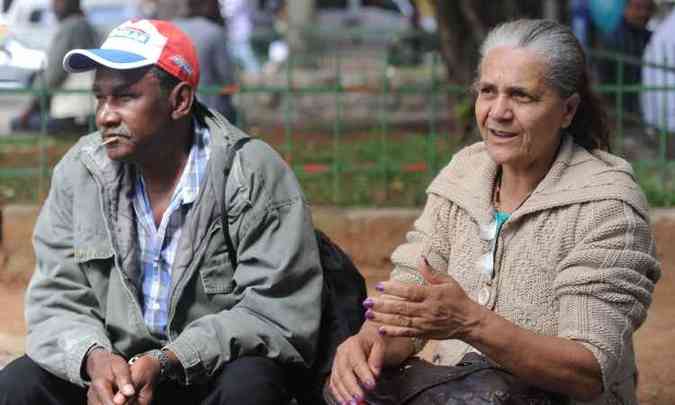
{"x":519,"y":115}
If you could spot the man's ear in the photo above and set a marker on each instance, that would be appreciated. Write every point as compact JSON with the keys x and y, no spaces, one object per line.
{"x":181,"y":99}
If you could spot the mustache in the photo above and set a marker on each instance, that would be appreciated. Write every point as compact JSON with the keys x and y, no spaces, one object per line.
{"x":120,"y":130}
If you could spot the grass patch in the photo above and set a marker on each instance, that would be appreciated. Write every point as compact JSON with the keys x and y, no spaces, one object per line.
{"x":354,"y":168}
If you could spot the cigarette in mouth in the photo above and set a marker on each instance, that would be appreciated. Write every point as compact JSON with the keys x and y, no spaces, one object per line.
{"x":110,"y":140}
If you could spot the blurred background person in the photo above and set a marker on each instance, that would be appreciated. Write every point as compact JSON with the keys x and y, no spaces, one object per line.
{"x":629,"y":38}
{"x":658,"y":106}
{"x":66,"y":111}
{"x":239,"y":21}
{"x":205,"y":26}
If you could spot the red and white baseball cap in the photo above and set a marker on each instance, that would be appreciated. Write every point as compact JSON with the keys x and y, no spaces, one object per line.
{"x":139,"y":43}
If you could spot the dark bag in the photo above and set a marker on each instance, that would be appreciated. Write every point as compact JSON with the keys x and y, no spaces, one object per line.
{"x":344,"y":289}
{"x":474,"y":381}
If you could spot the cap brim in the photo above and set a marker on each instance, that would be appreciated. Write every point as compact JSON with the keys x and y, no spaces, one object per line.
{"x":82,"y":60}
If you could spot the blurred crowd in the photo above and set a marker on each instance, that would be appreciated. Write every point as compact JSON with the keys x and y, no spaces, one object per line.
{"x":628,"y":41}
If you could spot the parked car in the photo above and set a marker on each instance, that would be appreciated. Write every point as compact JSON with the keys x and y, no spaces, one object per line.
{"x":28,"y":27}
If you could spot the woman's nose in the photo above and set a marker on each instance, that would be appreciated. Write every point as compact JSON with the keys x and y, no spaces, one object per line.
{"x":501,"y":109}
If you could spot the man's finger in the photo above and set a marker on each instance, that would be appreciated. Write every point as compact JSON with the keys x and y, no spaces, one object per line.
{"x":103,"y":392}
{"x":120,"y":399}
{"x":122,"y":376}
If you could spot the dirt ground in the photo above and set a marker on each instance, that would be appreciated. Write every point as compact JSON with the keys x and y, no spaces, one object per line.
{"x":369,"y":236}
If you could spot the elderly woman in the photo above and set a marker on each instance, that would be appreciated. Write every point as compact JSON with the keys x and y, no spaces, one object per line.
{"x":534,"y":247}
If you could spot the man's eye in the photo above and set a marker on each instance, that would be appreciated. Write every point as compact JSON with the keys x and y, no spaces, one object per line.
{"x":486,"y":91}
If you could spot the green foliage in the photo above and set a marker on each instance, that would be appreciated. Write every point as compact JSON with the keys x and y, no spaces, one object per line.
{"x":657,"y":180}
{"x":352,"y":169}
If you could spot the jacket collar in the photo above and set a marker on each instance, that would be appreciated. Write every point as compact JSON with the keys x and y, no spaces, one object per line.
{"x":576,"y":176}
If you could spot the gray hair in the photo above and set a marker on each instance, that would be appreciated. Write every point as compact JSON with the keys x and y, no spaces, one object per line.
{"x":554,"y":42}
{"x":566,"y":71}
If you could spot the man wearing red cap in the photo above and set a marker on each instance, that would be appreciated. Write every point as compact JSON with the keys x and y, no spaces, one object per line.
{"x":136,"y":297}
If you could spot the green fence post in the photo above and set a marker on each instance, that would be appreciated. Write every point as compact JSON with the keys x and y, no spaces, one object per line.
{"x":666,"y":142}
{"x":384,"y":131}
{"x":288,"y":110}
{"x":42,"y":139}
{"x":433,"y":117}
{"x":619,"y":94}
{"x":337,"y":129}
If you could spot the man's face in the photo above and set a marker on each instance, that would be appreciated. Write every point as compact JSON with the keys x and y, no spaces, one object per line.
{"x":638,"y":12}
{"x":132,"y":108}
{"x":59,"y":8}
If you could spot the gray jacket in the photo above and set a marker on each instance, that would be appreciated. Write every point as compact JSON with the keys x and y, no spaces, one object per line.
{"x":85,"y":289}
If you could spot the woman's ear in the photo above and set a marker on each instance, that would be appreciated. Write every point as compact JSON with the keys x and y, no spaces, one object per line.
{"x":571,"y":106}
{"x":181,"y":98}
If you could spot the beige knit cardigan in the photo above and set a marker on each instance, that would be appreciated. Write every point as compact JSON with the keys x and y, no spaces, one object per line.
{"x":576,"y":260}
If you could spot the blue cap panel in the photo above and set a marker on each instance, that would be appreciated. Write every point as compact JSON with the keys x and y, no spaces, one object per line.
{"x":82,"y":61}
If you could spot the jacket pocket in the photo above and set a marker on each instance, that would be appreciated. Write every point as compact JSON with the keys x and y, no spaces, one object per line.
{"x":217,"y":275}
{"x":88,"y":252}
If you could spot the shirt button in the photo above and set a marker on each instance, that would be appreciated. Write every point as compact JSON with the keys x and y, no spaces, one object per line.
{"x":484,"y":296}
{"x":155,"y":306}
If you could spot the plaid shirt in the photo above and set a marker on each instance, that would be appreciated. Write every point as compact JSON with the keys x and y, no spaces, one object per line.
{"x":158,"y":245}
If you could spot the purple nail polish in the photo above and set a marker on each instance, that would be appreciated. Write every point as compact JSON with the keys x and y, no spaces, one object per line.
{"x":368,"y":303}
{"x":379,"y":287}
{"x":380,"y":331}
{"x":369,"y":314}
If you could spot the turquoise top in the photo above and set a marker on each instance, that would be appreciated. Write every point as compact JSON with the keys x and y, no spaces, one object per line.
{"x":500,"y":218}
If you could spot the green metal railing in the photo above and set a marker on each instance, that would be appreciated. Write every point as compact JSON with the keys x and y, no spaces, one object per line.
{"x":353,"y":137}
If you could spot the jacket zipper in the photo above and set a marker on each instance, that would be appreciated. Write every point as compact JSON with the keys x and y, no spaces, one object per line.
{"x":118,"y":267}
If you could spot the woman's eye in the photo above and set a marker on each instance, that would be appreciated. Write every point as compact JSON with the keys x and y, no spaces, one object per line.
{"x":522,"y":97}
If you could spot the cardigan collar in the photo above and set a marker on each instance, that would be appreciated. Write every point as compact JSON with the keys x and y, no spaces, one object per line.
{"x":576,"y":176}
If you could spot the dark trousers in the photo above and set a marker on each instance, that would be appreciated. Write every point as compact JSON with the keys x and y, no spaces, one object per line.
{"x":248,"y":380}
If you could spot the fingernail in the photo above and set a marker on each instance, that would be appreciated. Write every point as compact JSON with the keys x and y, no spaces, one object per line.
{"x":368,"y":303}
{"x":370,"y":384}
{"x":379,"y":287}
{"x":369,"y":314}
{"x":380,"y":331}
{"x":128,"y":389}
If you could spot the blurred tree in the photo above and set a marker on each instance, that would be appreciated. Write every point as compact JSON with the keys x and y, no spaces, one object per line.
{"x":301,"y":15}
{"x":462,"y":27}
{"x":463,"y":24}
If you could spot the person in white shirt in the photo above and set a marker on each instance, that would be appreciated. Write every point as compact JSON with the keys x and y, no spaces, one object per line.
{"x":658,"y":106}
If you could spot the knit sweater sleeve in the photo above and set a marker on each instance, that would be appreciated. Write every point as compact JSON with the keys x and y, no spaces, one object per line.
{"x":604,"y":285}
{"x":419,"y":242}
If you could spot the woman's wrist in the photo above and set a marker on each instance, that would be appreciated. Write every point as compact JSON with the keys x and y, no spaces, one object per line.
{"x":478,"y":321}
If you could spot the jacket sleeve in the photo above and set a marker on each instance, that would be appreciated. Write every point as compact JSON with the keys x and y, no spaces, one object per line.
{"x":278,"y":275}
{"x":62,"y":312}
{"x":605,"y":284}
